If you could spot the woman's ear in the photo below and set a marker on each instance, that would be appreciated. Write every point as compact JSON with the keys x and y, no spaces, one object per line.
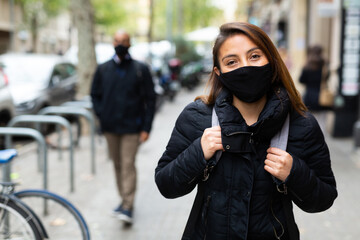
{"x":217,"y":71}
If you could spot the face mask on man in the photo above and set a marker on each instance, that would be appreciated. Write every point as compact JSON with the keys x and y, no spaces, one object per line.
{"x":249,"y":84}
{"x":121,"y":50}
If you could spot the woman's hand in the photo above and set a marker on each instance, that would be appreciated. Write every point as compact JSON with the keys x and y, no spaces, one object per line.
{"x":211,"y":141}
{"x":278,"y":163}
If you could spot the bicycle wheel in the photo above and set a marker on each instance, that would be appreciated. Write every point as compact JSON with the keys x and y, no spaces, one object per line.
{"x":60,"y":218}
{"x":17,"y":221}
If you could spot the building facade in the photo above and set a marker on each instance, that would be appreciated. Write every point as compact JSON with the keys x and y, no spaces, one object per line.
{"x":53,"y":37}
{"x":298,"y":24}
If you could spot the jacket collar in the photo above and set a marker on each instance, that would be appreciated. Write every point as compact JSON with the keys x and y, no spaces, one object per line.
{"x":269,"y":123}
{"x":118,"y":61}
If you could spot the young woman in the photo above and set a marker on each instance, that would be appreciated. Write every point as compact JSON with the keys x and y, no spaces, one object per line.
{"x":248,"y":192}
{"x":311,"y":76}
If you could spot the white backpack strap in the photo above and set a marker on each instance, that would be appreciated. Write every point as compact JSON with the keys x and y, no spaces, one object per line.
{"x":215,"y":122}
{"x":214,"y":119}
{"x":281,"y":138}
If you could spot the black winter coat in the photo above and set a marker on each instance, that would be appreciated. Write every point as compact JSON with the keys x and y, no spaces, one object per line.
{"x":241,"y":200}
{"x":311,"y":78}
{"x":123,"y":96}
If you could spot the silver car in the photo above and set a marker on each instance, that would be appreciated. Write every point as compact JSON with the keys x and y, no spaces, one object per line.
{"x":37,"y":81}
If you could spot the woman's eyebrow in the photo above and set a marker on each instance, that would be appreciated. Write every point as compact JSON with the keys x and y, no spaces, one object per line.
{"x":227,"y":56}
{"x":234,"y":55}
{"x":252,"y":49}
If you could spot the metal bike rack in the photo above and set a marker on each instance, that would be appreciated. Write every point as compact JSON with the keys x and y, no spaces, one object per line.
{"x":82,"y":103}
{"x":78,"y":111}
{"x":17,"y":131}
{"x":49,"y":119}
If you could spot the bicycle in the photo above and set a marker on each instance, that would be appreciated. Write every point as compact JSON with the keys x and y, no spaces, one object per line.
{"x":37,"y":214}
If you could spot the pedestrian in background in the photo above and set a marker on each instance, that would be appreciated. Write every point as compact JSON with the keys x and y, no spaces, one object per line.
{"x":246,"y":187}
{"x":313,"y":73}
{"x":123,"y":99}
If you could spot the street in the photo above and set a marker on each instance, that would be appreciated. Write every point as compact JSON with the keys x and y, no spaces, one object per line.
{"x":158,"y":218}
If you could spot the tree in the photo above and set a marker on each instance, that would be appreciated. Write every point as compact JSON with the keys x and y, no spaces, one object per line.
{"x":188,"y":15}
{"x":83,"y":16}
{"x":36,"y":14}
{"x":109,"y":14}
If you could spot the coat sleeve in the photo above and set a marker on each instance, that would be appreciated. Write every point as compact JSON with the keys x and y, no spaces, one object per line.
{"x":149,"y":98}
{"x":96,"y":92}
{"x":303,"y":77}
{"x":311,"y":182}
{"x":183,"y":161}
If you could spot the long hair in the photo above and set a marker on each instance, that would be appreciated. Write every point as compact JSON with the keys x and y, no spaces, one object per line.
{"x":281,"y":75}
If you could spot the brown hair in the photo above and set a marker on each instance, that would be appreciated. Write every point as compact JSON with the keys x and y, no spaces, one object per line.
{"x":281,"y":76}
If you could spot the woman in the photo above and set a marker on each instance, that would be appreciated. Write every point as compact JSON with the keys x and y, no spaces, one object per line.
{"x":311,"y":76}
{"x":248,"y":193}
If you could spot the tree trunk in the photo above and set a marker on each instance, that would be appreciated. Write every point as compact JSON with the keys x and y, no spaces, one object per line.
{"x":151,"y":20}
{"x":83,"y":15}
{"x":34,"y":33}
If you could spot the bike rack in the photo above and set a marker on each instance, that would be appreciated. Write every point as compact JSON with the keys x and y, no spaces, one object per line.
{"x":82,"y":103}
{"x":49,"y":119}
{"x":17,"y":131}
{"x":78,"y":111}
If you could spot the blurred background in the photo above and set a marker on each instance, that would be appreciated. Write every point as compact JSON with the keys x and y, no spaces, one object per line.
{"x":49,"y":50}
{"x":175,"y":37}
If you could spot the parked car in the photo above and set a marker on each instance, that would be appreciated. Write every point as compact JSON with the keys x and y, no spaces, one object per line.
{"x":7,"y":108}
{"x":37,"y":81}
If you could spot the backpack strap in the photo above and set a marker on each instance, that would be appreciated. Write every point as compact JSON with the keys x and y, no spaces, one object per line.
{"x":215,"y":122}
{"x":280,"y":140}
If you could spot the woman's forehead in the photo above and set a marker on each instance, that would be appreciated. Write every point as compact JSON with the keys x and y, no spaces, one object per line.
{"x":237,"y":43}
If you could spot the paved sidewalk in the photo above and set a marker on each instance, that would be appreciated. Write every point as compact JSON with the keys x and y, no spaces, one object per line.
{"x":159,"y":218}
{"x":96,"y":195}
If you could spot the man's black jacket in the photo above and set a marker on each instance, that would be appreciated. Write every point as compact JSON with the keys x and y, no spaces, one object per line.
{"x":123,"y":96}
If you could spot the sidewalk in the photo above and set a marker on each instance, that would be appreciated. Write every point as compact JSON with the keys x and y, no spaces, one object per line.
{"x":158,"y":218}
{"x":96,"y":195}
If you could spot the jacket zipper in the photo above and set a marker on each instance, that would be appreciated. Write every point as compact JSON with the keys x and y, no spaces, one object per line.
{"x":205,"y":213}
{"x":282,"y":227}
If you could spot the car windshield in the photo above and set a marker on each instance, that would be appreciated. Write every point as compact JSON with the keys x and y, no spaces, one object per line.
{"x":34,"y":71}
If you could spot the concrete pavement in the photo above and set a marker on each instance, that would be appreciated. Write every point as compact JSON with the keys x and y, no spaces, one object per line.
{"x":158,"y":218}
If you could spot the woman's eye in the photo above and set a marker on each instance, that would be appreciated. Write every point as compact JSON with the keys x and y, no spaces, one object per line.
{"x":229,"y":63}
{"x":255,"y":56}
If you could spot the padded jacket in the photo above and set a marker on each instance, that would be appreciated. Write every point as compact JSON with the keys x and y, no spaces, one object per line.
{"x":241,"y":200}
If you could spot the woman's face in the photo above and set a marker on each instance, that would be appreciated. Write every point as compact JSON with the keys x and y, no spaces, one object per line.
{"x":239,"y":51}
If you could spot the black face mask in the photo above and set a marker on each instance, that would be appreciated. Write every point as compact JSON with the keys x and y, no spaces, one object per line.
{"x":249,"y":84}
{"x":121,"y":50}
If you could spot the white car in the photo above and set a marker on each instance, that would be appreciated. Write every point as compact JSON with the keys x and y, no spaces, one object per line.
{"x":7,"y":109}
{"x":38,"y":80}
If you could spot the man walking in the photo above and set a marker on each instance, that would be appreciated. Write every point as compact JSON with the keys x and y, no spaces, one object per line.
{"x":123,"y":99}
